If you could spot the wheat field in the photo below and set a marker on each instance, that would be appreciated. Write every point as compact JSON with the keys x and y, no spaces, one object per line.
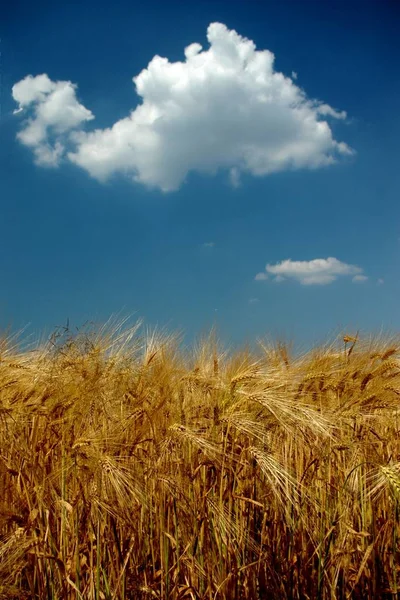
{"x":131,"y":468}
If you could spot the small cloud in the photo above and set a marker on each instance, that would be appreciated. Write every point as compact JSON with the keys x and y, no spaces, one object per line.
{"x":380,"y":281}
{"x":294,"y":75}
{"x":54,"y":113}
{"x":253,"y":300}
{"x":359,"y":279}
{"x":261,"y":277}
{"x":319,"y":271}
{"x":327,"y":111}
{"x":234,"y":177}
{"x":192,"y":50}
{"x":278,"y":279}
{"x":208,"y":244}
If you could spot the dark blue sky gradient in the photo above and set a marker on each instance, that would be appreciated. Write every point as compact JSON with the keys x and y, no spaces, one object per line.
{"x":73,"y":248}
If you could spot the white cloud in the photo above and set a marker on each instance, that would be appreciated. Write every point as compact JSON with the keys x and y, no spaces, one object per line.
{"x":360,"y":279}
{"x":54,"y":111}
{"x":234,"y":177}
{"x":380,"y":281}
{"x":224,"y":107}
{"x":209,"y":244}
{"x":261,"y":277}
{"x":278,"y":279}
{"x":253,"y":300}
{"x":32,"y":89}
{"x":328,"y":111}
{"x":320,"y":271}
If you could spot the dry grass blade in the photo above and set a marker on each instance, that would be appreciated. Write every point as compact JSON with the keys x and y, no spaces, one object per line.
{"x":283,"y":485}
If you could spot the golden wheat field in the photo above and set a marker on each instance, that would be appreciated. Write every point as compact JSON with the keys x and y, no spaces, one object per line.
{"x":134,"y":469}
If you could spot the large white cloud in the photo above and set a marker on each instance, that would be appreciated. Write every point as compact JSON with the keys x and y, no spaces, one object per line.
{"x":320,"y":271}
{"x":221,"y":108}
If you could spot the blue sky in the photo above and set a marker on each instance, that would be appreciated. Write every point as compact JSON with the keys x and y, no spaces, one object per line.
{"x":165,"y":198}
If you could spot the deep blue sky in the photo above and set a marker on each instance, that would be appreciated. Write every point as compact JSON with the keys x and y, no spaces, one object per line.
{"x":71,"y":247}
